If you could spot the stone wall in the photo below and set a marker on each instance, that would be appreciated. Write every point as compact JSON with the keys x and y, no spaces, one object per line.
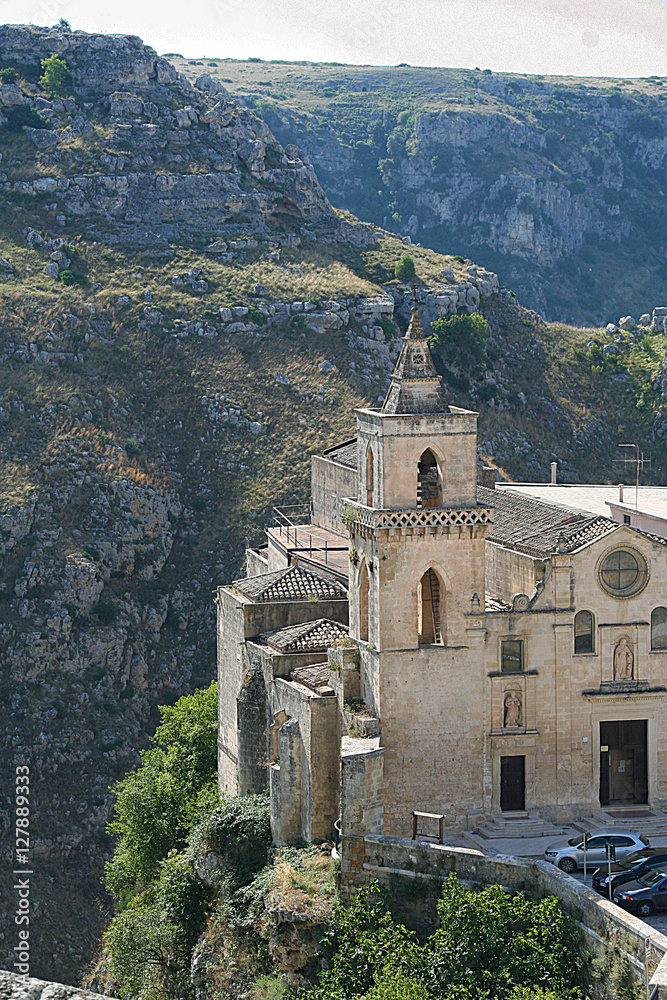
{"x":417,"y":869}
{"x":330,"y":482}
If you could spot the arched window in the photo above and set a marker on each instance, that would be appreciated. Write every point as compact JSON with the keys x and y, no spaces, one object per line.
{"x":430,"y":607}
{"x":370,"y":477}
{"x":364,"y":595}
{"x":429,"y":487}
{"x":584,"y":640}
{"x":659,"y":628}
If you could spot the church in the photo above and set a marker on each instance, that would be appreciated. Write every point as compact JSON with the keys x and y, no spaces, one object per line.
{"x":418,"y":641}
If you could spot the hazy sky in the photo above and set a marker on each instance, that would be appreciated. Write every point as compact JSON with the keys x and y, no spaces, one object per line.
{"x":580,"y":37}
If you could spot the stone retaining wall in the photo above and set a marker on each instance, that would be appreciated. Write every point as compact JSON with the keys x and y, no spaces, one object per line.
{"x":413,"y":871}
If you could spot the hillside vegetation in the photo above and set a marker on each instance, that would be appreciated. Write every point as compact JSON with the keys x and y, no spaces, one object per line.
{"x":179,"y":330}
{"x":559,"y":184}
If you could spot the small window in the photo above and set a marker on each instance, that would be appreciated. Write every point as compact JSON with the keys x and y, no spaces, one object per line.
{"x":595,"y":842}
{"x":627,"y":519}
{"x":659,"y":628}
{"x":621,"y":841}
{"x":511,"y":656}
{"x":583,"y":632}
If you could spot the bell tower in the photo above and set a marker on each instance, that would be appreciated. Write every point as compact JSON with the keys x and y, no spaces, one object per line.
{"x":416,"y":530}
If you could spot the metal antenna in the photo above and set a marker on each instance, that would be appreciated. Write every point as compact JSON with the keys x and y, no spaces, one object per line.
{"x":638,"y":461}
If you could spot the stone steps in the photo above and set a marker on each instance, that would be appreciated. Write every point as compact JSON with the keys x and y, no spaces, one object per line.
{"x":519,"y":825}
{"x":650,"y":822}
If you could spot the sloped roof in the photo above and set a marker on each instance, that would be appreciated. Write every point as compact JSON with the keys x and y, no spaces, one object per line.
{"x":316,"y":676}
{"x":309,"y":637}
{"x":291,"y":584}
{"x":538,"y":528}
{"x":344,"y":454}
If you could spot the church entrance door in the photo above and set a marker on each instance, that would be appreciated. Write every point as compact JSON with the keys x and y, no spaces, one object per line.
{"x":512,"y":783}
{"x":623,"y":765}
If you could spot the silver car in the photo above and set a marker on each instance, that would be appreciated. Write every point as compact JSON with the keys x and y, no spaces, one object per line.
{"x":570,"y":856}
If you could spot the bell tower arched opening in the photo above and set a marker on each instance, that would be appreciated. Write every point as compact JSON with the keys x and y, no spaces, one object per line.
{"x":370,"y":477}
{"x":429,"y":482}
{"x":430,"y":609}
{"x":364,"y":594}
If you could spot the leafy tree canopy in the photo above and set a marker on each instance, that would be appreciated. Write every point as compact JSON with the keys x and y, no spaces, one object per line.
{"x":157,"y":804}
{"x":405,"y":269}
{"x":55,"y":76}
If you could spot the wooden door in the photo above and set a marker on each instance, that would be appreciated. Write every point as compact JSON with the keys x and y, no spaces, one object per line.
{"x":512,"y":783}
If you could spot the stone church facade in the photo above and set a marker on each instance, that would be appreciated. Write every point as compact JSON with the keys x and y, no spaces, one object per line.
{"x":427,"y":643}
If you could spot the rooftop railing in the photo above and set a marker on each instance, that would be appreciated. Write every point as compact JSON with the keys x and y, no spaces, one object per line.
{"x":293,"y":524}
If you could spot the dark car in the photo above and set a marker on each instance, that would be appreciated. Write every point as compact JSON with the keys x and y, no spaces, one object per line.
{"x":629,"y":868}
{"x":645,"y":894}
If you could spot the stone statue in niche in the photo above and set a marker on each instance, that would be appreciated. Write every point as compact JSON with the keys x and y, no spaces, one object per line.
{"x":512,"y":709}
{"x":624,"y":661}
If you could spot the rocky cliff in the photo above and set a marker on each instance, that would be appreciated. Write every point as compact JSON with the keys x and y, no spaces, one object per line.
{"x":176,"y":340}
{"x":557,"y":184}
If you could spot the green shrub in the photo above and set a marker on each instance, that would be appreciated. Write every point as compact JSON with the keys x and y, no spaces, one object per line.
{"x":55,"y":76}
{"x":405,"y":269}
{"x":393,"y":984}
{"x":70,"y":277}
{"x":24,"y":115}
{"x":239,"y":831}
{"x":8,"y":75}
{"x":106,"y":611}
{"x":132,"y":447}
{"x":255,"y":315}
{"x":461,"y":340}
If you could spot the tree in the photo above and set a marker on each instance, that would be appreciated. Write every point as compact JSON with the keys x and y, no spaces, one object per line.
{"x":405,"y":269}
{"x":55,"y":76}
{"x":157,"y":804}
{"x":461,"y":340}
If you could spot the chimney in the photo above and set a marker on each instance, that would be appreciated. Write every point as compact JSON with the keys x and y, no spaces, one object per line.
{"x":554,"y":467}
{"x":620,"y":492}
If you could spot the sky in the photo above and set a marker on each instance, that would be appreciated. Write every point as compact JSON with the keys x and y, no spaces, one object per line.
{"x":621,"y":38}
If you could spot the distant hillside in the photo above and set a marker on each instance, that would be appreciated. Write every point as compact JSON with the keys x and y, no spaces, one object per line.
{"x":184,"y":319}
{"x":558,"y":184}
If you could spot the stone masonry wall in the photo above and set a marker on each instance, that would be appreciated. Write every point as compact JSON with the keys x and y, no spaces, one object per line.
{"x":416,"y":868}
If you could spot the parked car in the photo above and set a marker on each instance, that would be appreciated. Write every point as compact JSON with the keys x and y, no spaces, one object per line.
{"x":570,"y":856}
{"x":625,"y":871}
{"x":645,"y":894}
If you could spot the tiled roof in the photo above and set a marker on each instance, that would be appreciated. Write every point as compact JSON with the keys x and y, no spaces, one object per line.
{"x":291,"y":584}
{"x":344,"y":454}
{"x":309,"y":637}
{"x":538,"y":528}
{"x":316,"y":676}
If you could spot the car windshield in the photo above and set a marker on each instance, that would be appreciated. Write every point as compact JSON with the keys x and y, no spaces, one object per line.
{"x":633,"y":859}
{"x":651,"y":878}
{"x":577,"y":841}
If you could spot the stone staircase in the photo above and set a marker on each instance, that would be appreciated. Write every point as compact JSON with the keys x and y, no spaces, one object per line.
{"x":518,"y":824}
{"x":650,"y":822}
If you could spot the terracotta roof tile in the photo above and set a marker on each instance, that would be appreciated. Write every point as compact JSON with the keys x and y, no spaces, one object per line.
{"x":537,"y":528}
{"x":309,"y":637}
{"x":291,"y":584}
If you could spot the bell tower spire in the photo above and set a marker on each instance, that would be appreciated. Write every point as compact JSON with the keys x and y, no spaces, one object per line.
{"x":415,"y":386}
